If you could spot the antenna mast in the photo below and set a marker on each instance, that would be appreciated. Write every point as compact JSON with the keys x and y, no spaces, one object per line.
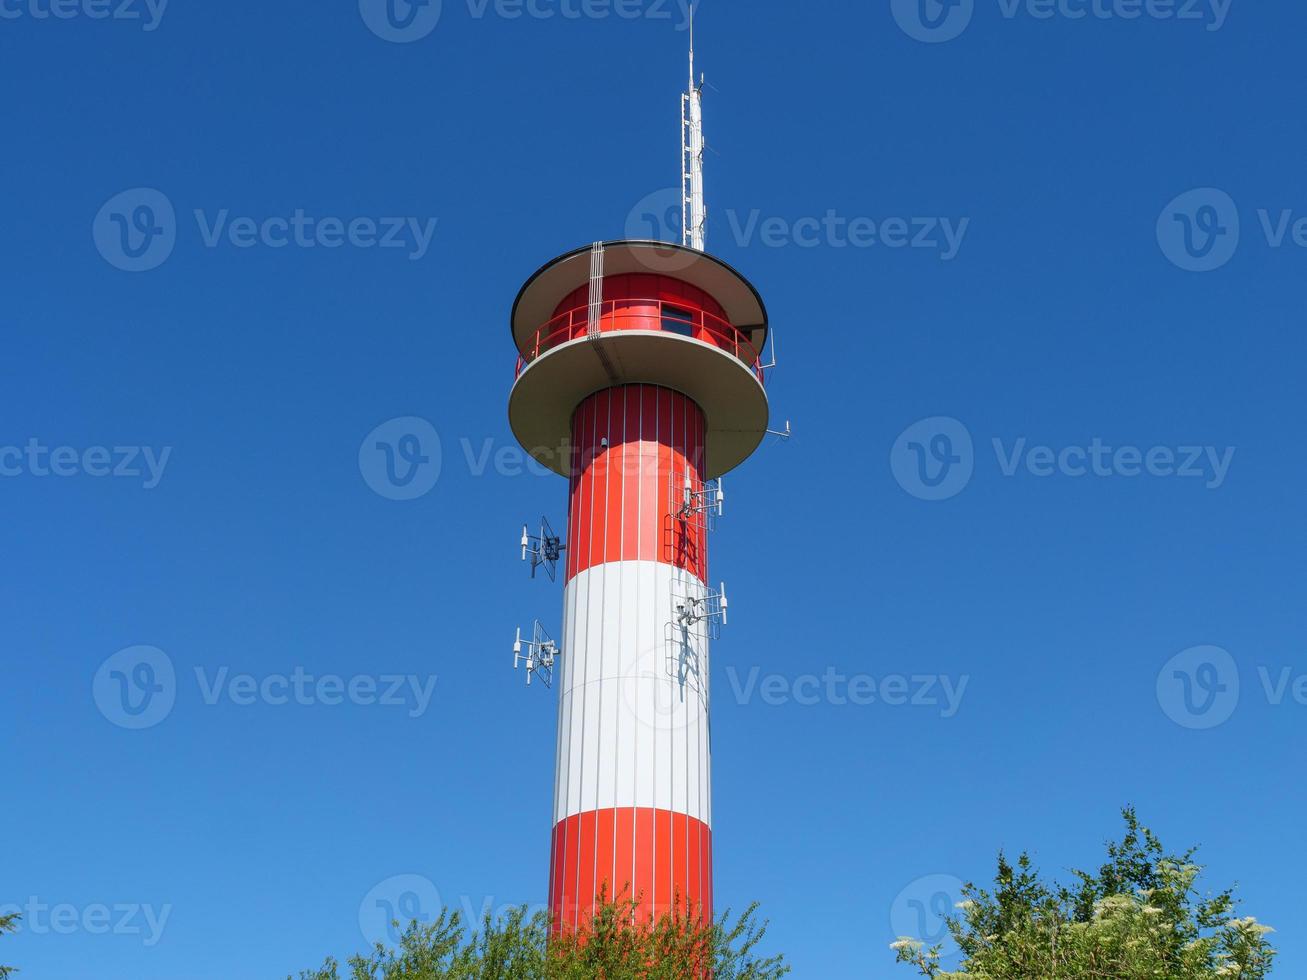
{"x":694,"y":209}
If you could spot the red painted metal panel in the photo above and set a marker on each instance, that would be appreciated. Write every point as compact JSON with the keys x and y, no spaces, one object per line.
{"x":624,"y":494}
{"x":566,"y":911}
{"x":707,"y":870}
{"x":663,"y":861}
{"x":553,"y":861}
{"x":650,"y":516}
{"x":624,"y":853}
{"x":583,"y":897}
{"x":632,"y":467}
{"x":666,"y":463}
{"x":590,"y":480}
{"x":695,"y":876}
{"x":604,"y":848}
{"x":638,"y":286}
{"x":670,"y":852}
{"x":680,"y":855}
{"x":561,"y":866}
{"x":644,"y":856}
{"x":615,"y":478}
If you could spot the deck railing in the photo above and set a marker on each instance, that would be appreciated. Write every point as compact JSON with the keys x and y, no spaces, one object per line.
{"x":643,"y":314}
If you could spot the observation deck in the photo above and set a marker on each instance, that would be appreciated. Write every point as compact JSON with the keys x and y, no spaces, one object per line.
{"x":664,"y":315}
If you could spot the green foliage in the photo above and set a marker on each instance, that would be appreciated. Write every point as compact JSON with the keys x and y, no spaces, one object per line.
{"x":8,"y":923}
{"x":617,"y":945}
{"x":1139,"y":917}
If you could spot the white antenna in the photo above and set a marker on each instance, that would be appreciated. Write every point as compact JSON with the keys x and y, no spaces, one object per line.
{"x":710,"y":609}
{"x":545,"y":548}
{"x":694,"y":208}
{"x":541,"y":655}
{"x":701,"y":501}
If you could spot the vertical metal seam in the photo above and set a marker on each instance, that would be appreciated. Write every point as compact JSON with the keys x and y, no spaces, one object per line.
{"x":635,"y":682}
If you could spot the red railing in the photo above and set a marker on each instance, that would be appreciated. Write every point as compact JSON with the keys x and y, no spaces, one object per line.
{"x":643,"y":314}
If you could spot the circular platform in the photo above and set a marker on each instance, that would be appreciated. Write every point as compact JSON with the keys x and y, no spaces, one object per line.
{"x":553,"y":282}
{"x":549,"y":389}
{"x":553,"y":382}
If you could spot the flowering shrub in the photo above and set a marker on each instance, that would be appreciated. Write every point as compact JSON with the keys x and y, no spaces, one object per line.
{"x":1139,"y":917}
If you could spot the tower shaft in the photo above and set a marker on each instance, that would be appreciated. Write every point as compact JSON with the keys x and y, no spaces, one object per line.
{"x":638,"y":379}
{"x":632,"y":806}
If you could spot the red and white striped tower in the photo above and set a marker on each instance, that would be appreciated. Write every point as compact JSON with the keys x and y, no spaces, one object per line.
{"x":638,"y":379}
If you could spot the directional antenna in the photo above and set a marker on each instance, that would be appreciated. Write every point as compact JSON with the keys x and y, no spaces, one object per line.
{"x":708,"y":610}
{"x":545,"y":548}
{"x":698,"y":502}
{"x":537,"y":653}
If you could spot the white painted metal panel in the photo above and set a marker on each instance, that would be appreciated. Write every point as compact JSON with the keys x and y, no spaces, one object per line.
{"x":633,"y":708}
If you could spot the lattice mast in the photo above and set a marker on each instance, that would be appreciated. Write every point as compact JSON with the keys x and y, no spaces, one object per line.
{"x":694,"y":207}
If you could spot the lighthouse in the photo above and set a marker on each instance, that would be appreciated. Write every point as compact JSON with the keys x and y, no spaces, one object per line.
{"x":639,"y":379}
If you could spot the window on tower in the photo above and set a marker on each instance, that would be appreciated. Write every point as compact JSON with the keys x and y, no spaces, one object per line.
{"x":677,"y":320}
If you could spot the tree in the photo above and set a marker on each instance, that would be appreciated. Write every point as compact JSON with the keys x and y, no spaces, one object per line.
{"x":1139,"y":916}
{"x":616,"y":945}
{"x":8,"y":923}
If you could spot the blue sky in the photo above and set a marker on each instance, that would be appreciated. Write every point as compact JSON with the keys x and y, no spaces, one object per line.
{"x":1044,"y":458}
